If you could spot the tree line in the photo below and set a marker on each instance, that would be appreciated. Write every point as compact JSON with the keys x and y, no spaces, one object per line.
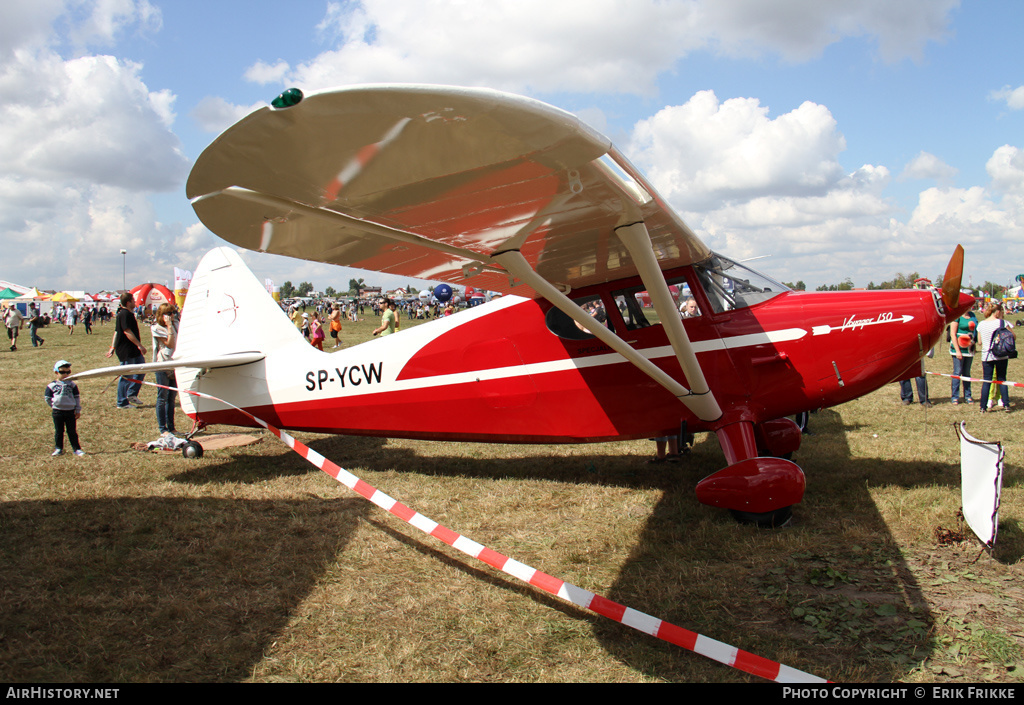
{"x":900,"y":281}
{"x":290,"y":291}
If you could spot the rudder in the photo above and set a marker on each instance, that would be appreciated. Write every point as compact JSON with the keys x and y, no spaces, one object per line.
{"x":227,"y":311}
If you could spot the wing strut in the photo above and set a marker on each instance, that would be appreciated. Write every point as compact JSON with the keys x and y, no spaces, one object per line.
{"x":703,"y":404}
{"x":638,"y":241}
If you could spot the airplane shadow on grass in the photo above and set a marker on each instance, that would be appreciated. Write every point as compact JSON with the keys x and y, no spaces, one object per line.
{"x":165,"y":589}
{"x":157,"y":589}
{"x":830,"y":595}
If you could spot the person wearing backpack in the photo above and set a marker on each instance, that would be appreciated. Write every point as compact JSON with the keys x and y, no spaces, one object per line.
{"x":994,"y":359}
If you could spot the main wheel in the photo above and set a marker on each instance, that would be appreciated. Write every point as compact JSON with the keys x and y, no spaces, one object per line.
{"x":775,"y":519}
{"x":192,"y":450}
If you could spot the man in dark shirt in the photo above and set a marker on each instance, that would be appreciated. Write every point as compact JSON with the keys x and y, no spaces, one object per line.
{"x":127,"y":345}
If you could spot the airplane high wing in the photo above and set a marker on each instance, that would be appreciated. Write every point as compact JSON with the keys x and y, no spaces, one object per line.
{"x":449,"y":183}
{"x":433,"y":182}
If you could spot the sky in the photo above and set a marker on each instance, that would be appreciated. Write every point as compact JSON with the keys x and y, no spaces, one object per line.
{"x":851,"y":139}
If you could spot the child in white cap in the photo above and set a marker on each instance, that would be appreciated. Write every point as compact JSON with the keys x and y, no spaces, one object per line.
{"x":63,"y":399}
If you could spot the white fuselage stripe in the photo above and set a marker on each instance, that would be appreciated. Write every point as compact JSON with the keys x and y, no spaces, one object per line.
{"x":540,"y":368}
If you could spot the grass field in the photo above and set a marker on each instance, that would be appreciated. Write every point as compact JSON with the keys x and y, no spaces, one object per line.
{"x":250,"y":565}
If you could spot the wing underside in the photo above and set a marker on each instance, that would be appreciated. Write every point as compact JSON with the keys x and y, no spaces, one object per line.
{"x":431,"y":182}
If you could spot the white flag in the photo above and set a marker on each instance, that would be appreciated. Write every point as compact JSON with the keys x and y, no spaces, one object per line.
{"x":182,"y":279}
{"x":981,"y":480}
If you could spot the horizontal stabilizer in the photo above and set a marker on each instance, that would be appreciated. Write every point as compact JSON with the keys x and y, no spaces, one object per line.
{"x":231,"y":360}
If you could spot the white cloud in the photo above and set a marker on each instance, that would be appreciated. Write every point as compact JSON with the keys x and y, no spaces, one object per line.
{"x":853,"y":232}
{"x":1013,"y":97}
{"x":264,"y":73}
{"x":85,"y":141}
{"x":1006,"y":169}
{"x":73,"y":239}
{"x":592,"y":45}
{"x":963,"y":208}
{"x":526,"y":45}
{"x":71,"y":236}
{"x":987,"y":227}
{"x":26,"y":24}
{"x":799,"y":30}
{"x":750,"y":185}
{"x":216,"y":114}
{"x":84,"y":145}
{"x":108,"y":18}
{"x":89,"y":119}
{"x":743,"y":177}
{"x":705,"y":152}
{"x":927,"y":166}
{"x":29,"y":25}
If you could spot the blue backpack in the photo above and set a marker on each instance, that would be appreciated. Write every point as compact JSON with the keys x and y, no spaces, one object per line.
{"x":1004,"y":342}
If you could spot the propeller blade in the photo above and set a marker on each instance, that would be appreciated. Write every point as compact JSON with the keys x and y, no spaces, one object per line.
{"x":952,"y":278}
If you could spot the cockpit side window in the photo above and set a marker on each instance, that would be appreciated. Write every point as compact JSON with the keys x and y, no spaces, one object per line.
{"x":565,"y":327}
{"x":635,"y":305}
{"x":729,"y":285}
{"x":630,"y":308}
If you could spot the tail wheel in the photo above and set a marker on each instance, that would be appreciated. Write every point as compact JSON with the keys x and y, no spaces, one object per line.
{"x":192,"y":450}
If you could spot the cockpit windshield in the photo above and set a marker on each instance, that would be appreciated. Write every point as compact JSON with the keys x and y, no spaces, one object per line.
{"x":730,"y":285}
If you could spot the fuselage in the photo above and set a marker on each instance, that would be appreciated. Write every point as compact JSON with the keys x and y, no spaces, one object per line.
{"x":513,"y":371}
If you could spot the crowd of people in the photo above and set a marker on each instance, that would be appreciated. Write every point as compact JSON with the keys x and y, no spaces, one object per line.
{"x":62,"y":395}
{"x":355,"y":309}
{"x":318,"y":319}
{"x":68,"y":315}
{"x":974,"y":334}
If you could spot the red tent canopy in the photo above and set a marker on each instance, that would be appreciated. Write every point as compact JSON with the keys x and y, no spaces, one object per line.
{"x":152,"y":294}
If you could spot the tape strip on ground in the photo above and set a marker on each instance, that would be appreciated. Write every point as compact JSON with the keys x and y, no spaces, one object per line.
{"x":689,"y":640}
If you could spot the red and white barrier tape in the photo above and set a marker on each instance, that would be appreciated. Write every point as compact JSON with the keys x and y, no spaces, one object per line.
{"x":973,"y":379}
{"x":692,"y":641}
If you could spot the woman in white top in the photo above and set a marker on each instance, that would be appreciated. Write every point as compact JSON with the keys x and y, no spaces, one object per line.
{"x":989,"y":362}
{"x":165,"y":338}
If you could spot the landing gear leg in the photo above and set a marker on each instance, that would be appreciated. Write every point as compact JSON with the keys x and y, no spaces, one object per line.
{"x":197,"y":426}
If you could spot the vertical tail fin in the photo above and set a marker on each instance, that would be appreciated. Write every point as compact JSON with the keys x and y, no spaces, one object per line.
{"x":228,"y":311}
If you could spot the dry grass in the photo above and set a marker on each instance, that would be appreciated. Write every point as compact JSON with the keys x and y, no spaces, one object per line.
{"x":250,"y":565}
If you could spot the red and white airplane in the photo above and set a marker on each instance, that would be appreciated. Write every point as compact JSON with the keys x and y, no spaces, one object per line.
{"x":511,"y":195}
